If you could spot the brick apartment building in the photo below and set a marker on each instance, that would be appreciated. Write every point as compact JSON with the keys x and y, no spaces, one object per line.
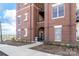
{"x":51,"y":23}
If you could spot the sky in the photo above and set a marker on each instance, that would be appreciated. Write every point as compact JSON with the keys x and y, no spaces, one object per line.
{"x":8,"y":18}
{"x":77,"y":5}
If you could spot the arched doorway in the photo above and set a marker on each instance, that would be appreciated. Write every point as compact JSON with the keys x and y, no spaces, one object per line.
{"x":41,"y":34}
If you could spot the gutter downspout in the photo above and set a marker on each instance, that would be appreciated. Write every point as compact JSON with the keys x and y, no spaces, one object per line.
{"x":48,"y":21}
{"x":30,"y":22}
{"x":70,"y":25}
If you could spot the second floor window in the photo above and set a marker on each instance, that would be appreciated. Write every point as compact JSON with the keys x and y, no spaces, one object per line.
{"x":61,"y":10}
{"x":57,"y":10}
{"x":26,"y":17}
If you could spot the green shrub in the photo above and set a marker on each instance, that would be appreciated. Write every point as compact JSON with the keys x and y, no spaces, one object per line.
{"x":77,"y":46}
{"x":69,"y":46}
{"x":13,"y":39}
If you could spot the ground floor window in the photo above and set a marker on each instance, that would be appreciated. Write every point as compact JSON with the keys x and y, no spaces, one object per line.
{"x":58,"y":32}
{"x":25,"y":35}
{"x":77,"y":34}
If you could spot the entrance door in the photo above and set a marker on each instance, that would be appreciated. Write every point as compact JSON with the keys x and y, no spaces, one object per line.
{"x":41,"y":35}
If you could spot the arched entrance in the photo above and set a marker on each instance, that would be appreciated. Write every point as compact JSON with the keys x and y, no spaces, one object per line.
{"x":41,"y":34}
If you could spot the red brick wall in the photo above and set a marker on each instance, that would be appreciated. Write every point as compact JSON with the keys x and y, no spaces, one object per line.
{"x":68,"y":23}
{"x":68,"y":31}
{"x":22,"y":13}
{"x":31,"y":23}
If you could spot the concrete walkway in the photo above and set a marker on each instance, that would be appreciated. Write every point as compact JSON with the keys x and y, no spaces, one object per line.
{"x":23,"y":50}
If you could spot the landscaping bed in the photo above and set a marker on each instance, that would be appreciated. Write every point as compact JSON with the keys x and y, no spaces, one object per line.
{"x":3,"y":54}
{"x":15,"y":43}
{"x":59,"y":50}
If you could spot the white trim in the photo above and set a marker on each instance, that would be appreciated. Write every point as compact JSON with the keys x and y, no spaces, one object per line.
{"x":58,"y":17}
{"x":58,"y":40}
{"x":19,"y":29}
{"x":19,"y":38}
{"x":26,"y":18}
{"x":26,"y":14}
{"x":56,"y":4}
{"x":25,"y":35}
{"x":19,"y":16}
{"x":58,"y":26}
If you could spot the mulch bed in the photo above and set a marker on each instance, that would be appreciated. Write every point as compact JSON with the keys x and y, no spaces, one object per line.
{"x":58,"y":50}
{"x":3,"y":54}
{"x":15,"y":43}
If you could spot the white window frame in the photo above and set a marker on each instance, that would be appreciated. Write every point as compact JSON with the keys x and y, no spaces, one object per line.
{"x":25,"y":35}
{"x":19,"y":16}
{"x":26,"y":17}
{"x":19,"y":29}
{"x":57,"y":4}
{"x":58,"y":26}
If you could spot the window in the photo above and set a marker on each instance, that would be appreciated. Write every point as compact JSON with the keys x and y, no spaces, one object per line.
{"x":18,"y":18}
{"x":18,"y":21}
{"x":18,"y":38}
{"x":77,"y":31}
{"x":58,"y":10}
{"x":25,"y":32}
{"x":25,"y":24}
{"x":19,"y":29}
{"x":19,"y":33}
{"x":58,"y":32}
{"x":61,"y":10}
{"x":26,"y":17}
{"x":55,"y":12}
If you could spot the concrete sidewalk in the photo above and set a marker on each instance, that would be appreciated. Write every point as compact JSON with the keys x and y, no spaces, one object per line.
{"x":31,"y":45}
{"x":23,"y":50}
